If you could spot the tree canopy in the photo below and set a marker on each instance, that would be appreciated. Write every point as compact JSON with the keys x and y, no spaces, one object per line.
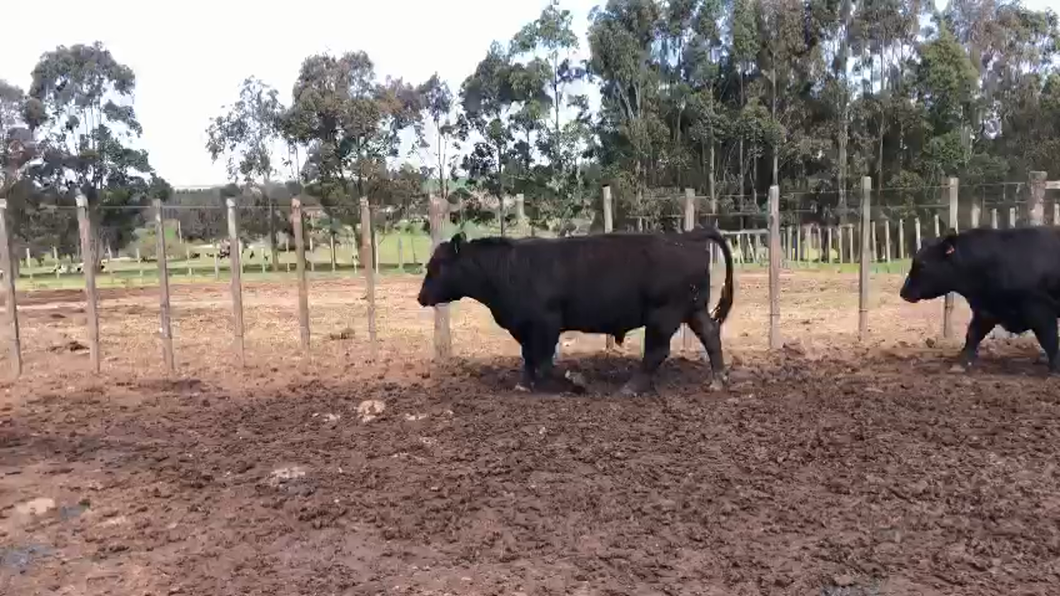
{"x":726,"y":97}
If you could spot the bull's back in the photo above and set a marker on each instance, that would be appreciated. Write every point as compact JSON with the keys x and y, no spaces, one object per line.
{"x":608,"y":283}
{"x":1008,"y":264}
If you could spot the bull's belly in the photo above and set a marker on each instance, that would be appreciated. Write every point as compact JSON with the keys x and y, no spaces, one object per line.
{"x":599,"y":324}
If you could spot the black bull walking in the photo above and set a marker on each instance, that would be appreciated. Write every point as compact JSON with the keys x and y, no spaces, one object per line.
{"x":537,"y":288}
{"x":1009,"y":278}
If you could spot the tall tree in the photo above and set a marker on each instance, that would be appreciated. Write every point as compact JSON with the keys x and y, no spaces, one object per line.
{"x":551,"y":37}
{"x":80,"y":110}
{"x":621,"y":42}
{"x":487,"y":98}
{"x":245,"y":135}
{"x":350,"y":123}
{"x":437,"y":101}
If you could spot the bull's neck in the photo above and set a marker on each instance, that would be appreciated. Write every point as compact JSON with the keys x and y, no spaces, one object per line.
{"x":485,"y":281}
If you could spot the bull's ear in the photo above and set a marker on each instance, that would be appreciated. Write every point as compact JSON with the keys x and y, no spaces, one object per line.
{"x":949,"y":242}
{"x":457,"y":241}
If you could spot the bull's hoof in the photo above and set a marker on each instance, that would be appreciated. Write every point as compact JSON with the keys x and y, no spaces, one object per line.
{"x":958,"y":368}
{"x":634,"y":389}
{"x":717,"y":385}
{"x":576,"y":380}
{"x":523,"y":388}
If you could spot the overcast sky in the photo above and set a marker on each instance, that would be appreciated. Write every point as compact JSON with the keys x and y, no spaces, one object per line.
{"x":191,"y":56}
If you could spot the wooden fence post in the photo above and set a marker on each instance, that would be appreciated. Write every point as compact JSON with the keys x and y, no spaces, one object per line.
{"x":774,"y":267}
{"x":1036,"y":202}
{"x":55,"y":257}
{"x":88,"y":260}
{"x":993,"y":218}
{"x":10,"y":299}
{"x":609,"y":341}
{"x":863,"y":269}
{"x":187,"y":260}
{"x":886,"y":240}
{"x":947,"y":305}
{"x":443,"y":346}
{"x":367,"y":258}
{"x":237,"y":279}
{"x":689,"y":223}
{"x":303,"y":286}
{"x":331,"y":243}
{"x":975,"y":215}
{"x":166,"y":326}
{"x":901,"y":239}
{"x":918,"y":241}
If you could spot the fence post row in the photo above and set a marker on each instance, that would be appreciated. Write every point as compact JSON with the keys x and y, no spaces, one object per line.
{"x":866,"y":250}
{"x":7,"y":261}
{"x":443,"y":346}
{"x":774,"y":267}
{"x":303,"y":285}
{"x":237,"y":279}
{"x":165,"y":328}
{"x":88,"y":265}
{"x":368,"y":259}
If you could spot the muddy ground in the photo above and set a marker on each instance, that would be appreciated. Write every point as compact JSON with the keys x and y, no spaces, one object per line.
{"x":831,"y":467}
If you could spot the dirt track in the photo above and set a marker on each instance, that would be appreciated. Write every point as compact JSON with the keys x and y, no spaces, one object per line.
{"x":826,"y":469}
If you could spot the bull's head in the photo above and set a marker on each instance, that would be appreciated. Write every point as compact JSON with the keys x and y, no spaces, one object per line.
{"x":443,"y":283}
{"x":935,"y":271}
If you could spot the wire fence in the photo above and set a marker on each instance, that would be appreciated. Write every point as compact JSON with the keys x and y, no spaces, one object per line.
{"x":134,"y":246}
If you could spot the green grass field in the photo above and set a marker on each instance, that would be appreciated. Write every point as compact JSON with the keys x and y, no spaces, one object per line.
{"x":414,"y":249}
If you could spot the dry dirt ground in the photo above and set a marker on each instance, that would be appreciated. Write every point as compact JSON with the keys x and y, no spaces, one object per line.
{"x":831,"y":467}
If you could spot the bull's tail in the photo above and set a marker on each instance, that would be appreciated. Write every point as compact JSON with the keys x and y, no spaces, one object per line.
{"x":724,"y":307}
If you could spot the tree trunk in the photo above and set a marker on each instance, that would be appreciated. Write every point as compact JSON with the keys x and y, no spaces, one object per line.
{"x":776,"y":152}
{"x":711,"y":178}
{"x":843,"y":138}
{"x":883,"y":116}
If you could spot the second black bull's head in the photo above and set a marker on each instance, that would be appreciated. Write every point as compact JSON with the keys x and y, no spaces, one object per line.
{"x":936,"y":270}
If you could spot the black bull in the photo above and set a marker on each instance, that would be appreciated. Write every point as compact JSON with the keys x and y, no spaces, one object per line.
{"x":537,"y":288}
{"x":1009,"y":278}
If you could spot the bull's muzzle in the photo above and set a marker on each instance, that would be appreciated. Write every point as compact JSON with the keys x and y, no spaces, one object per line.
{"x":907,"y":293}
{"x":426,"y":299}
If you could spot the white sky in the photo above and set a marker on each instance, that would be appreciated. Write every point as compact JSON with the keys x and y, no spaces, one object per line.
{"x":191,"y":56}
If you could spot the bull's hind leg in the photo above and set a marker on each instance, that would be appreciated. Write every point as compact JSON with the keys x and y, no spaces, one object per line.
{"x":657,"y":335}
{"x":1043,"y":321}
{"x":709,"y":334}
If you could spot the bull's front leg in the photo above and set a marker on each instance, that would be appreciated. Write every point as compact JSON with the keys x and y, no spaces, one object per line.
{"x":978,"y":328}
{"x":528,"y":377}
{"x":657,"y":336}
